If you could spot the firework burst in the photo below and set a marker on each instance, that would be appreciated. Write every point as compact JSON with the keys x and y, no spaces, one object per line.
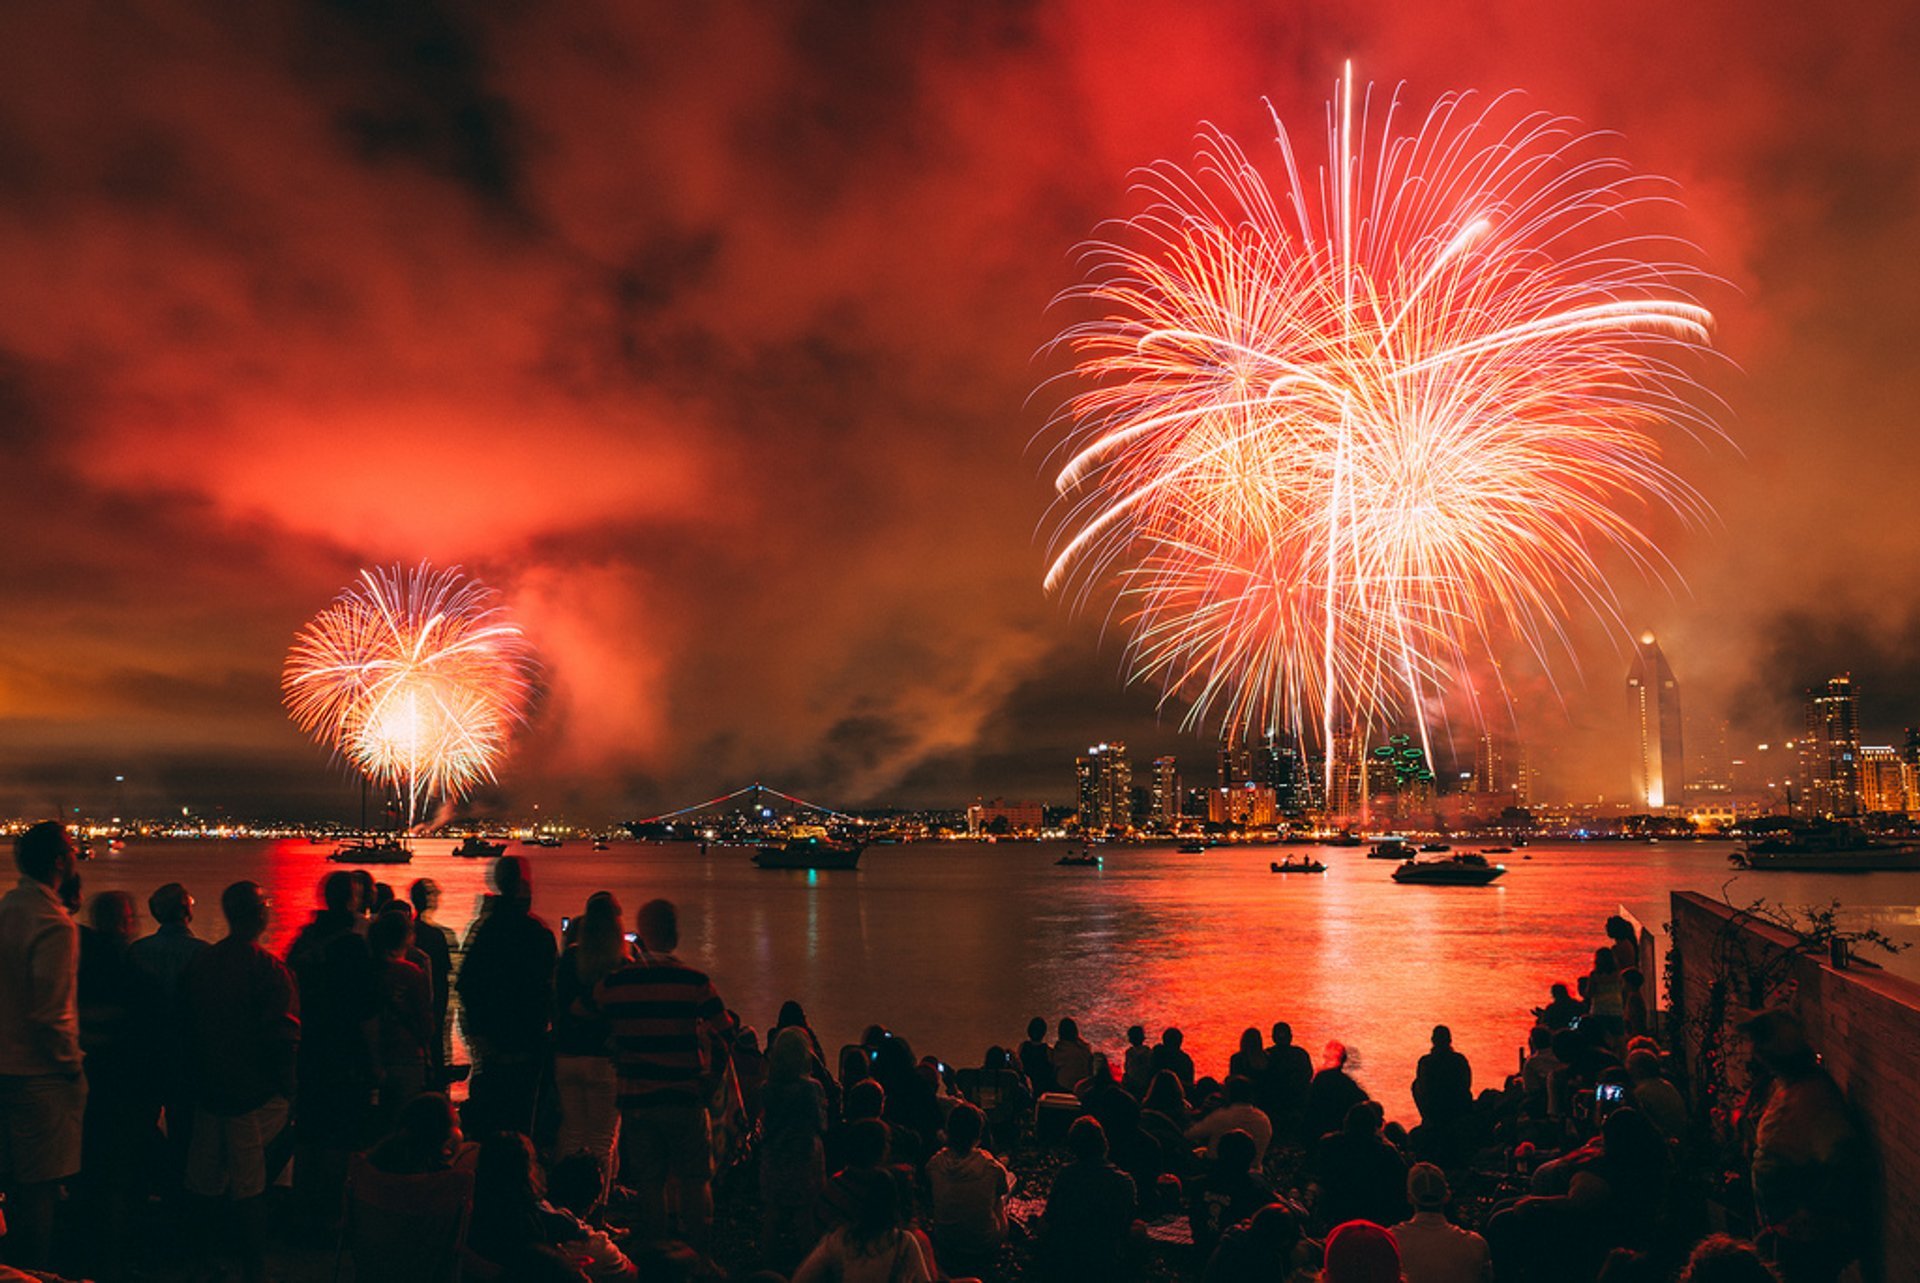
{"x":417,"y":677}
{"x":1343,"y":436}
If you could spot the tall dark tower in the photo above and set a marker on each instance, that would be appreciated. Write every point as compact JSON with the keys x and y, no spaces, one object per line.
{"x":1653,"y":702}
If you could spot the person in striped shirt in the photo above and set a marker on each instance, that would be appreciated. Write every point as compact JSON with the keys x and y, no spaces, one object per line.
{"x":665,"y":1017}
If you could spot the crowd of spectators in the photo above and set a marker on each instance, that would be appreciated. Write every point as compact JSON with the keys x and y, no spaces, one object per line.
{"x":611,"y":1087}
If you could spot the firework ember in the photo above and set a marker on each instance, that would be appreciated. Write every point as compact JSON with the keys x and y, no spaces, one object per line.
{"x":1345,"y":435}
{"x":416,"y":676}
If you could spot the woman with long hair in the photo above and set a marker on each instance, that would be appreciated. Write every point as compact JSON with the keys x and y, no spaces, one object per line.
{"x":874,"y":1247}
{"x":582,"y":1064}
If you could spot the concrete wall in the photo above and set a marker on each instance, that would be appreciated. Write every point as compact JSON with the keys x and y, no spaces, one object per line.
{"x":1864,"y":1023}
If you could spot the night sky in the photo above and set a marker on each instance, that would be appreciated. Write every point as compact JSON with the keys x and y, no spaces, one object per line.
{"x":709,"y":335}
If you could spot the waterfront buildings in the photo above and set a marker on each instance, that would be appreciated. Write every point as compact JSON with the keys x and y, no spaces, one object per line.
{"x":1106,"y":788}
{"x":999,"y":816}
{"x":1830,"y":751}
{"x":1653,"y":704}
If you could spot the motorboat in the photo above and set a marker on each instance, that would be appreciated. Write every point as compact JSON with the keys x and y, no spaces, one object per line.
{"x":477,"y":848}
{"x":1291,"y":865}
{"x":543,"y":841}
{"x":1469,"y":870}
{"x":600,"y":844}
{"x":1193,"y":848}
{"x":808,"y":846}
{"x":1434,"y":848}
{"x":1392,"y":848}
{"x":386,"y":850}
{"x":1083,"y":860}
{"x":1498,"y":850}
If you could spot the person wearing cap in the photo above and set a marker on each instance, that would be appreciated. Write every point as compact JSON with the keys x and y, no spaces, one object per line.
{"x":1361,"y":1252}
{"x":1433,"y":1249}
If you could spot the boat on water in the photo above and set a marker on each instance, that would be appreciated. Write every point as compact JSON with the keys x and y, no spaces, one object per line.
{"x":1192,"y":848}
{"x":1291,"y":865}
{"x":1469,"y":870}
{"x":388,"y":850}
{"x":1833,"y":848}
{"x":543,"y":841}
{"x":476,"y":848}
{"x":601,"y":845}
{"x":1498,"y":850}
{"x":1344,"y":839}
{"x":1083,"y":860}
{"x":1434,"y":848}
{"x":1392,"y":848}
{"x":808,"y":846}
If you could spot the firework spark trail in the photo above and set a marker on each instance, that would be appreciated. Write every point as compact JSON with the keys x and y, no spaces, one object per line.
{"x":1336,"y":443}
{"x":416,"y":676}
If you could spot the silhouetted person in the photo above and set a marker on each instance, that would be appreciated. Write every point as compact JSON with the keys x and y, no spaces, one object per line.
{"x":1238,"y":1114}
{"x":1810,"y":1170}
{"x":1560,"y":1010}
{"x":1136,"y":1071}
{"x":1721,"y":1258}
{"x":506,"y":1003}
{"x":1283,"y":1086}
{"x":43,"y":1092}
{"x":405,"y":1014}
{"x":243,"y":1020}
{"x":1443,"y":1086}
{"x":1330,"y":1095}
{"x":1072,"y":1058}
{"x":164,"y":957}
{"x":436,"y":941}
{"x":1036,"y":1058}
{"x":1360,"y":1174}
{"x":1230,"y":1191}
{"x":1259,"y":1251}
{"x":338,"y":1007}
{"x":1361,"y":1252}
{"x":665,"y":1018}
{"x":1169,"y":1056}
{"x":1090,"y":1211}
{"x":114,"y":999}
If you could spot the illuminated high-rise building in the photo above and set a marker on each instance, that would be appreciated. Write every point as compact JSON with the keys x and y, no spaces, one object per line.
{"x":1883,"y":779}
{"x":1347,"y":785}
{"x":1653,"y":704}
{"x":1236,"y":761}
{"x":1163,"y":807}
{"x":1106,"y":788}
{"x":1830,"y":750}
{"x":1277,"y":765}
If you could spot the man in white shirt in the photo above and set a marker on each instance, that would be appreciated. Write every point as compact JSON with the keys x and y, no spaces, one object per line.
{"x":43,"y":1096}
{"x":1432,"y":1249}
{"x":1238,"y":1114}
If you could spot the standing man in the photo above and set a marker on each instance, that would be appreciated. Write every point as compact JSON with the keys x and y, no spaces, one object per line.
{"x":506,"y":1004}
{"x":243,"y":1022}
{"x":666,"y":1019}
{"x":163,"y":958}
{"x":43,"y":1095}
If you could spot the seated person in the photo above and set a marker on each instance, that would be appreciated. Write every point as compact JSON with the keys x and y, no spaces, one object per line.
{"x":969,"y":1188}
{"x":1238,"y":1114}
{"x":874,"y":1246}
{"x":1089,"y":1216}
{"x":1229,"y":1192}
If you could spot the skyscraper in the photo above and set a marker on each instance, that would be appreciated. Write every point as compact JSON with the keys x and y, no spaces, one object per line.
{"x":1653,"y":702}
{"x":1830,"y":750}
{"x":1164,"y":809}
{"x":1347,"y":787}
{"x":1106,"y":788}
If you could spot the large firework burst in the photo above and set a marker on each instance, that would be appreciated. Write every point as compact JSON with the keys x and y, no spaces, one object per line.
{"x":417,"y":677}
{"x":1346,"y":435}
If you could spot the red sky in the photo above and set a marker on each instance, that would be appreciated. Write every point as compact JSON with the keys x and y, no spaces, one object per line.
{"x":708,"y":334}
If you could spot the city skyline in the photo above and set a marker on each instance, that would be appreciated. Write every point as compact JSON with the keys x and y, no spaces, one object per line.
{"x":716,"y":357}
